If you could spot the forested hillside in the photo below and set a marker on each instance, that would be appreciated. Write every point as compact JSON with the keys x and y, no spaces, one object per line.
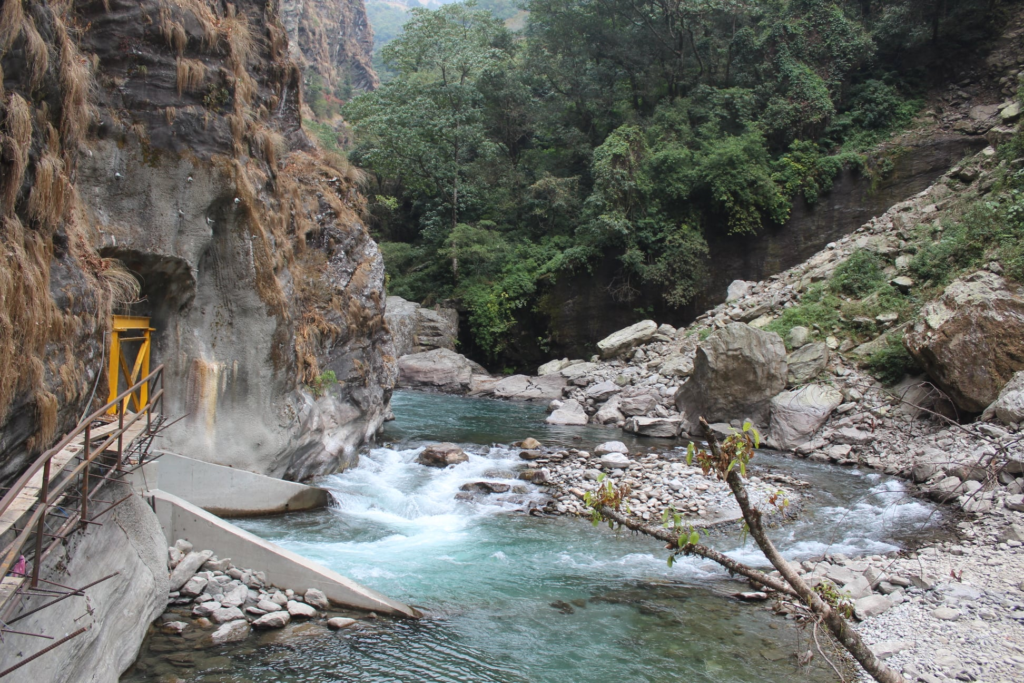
{"x":637,"y":129}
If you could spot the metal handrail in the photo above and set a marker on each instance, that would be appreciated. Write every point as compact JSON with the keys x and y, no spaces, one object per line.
{"x":46,"y":495}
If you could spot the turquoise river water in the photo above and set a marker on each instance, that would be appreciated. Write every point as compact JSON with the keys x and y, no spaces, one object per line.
{"x":511,"y":598}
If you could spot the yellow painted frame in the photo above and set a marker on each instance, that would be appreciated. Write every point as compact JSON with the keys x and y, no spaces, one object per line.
{"x":128,"y":328}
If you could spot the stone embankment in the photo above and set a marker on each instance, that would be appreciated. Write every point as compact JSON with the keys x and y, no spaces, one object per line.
{"x":213,"y":603}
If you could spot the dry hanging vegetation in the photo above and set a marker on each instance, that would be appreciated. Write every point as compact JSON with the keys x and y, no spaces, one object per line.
{"x":38,"y":209}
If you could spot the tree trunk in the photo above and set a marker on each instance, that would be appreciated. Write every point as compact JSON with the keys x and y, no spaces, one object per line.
{"x":843,"y":632}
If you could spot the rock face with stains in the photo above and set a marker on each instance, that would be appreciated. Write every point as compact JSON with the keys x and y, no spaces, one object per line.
{"x":194,"y":172}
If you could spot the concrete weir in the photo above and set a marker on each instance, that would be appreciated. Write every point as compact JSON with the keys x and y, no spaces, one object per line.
{"x":283,"y":568}
{"x":189,"y":496}
{"x":230,"y":492}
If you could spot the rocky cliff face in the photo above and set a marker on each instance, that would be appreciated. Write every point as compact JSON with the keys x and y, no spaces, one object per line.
{"x":333,"y":38}
{"x":173,"y":130}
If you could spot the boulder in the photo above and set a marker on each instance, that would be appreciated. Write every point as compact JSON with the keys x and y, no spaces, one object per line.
{"x":611,"y":447}
{"x":526,"y":388}
{"x":223,"y":615}
{"x":231,"y":632}
{"x":571,"y":413}
{"x":268,"y":605}
{"x":640,"y":404}
{"x":676,"y":365}
{"x":797,"y":415}
{"x":920,"y":398}
{"x":316,"y":598}
{"x":609,"y":412}
{"x":615,"y":461}
{"x":278,"y":619}
{"x":1009,"y":406}
{"x":440,"y":369}
{"x":442,"y":455}
{"x":530,"y":443}
{"x":971,"y":340}
{"x":300,"y":609}
{"x":806,"y":363}
{"x":738,"y":289}
{"x":194,"y":586}
{"x":416,"y":329}
{"x":578,"y":370}
{"x":625,"y":339}
{"x":736,"y":372}
{"x":187,"y":568}
{"x":661,"y":427}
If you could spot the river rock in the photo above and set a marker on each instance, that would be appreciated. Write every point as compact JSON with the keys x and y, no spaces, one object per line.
{"x":316,"y":598}
{"x":615,"y":461}
{"x":530,"y":443}
{"x":415,"y":328}
{"x":230,"y":632}
{"x":946,"y":613}
{"x":268,"y":605}
{"x":971,"y":340}
{"x":483,"y":487}
{"x":300,"y":609}
{"x":611,"y":447}
{"x":625,"y":339}
{"x":602,"y":390}
{"x":194,"y":586}
{"x":223,"y":615}
{"x":234,"y":596}
{"x":661,"y":427}
{"x":1009,"y":406}
{"x":440,"y":369}
{"x":187,"y":568}
{"x":736,"y":372}
{"x":806,"y":363}
{"x":278,"y":619}
{"x":570,"y":413}
{"x":526,"y":388}
{"x":442,"y":455}
{"x":677,"y":365}
{"x":338,"y":623}
{"x":871,"y":606}
{"x":858,"y":588}
{"x":797,"y":415}
{"x":579,"y":370}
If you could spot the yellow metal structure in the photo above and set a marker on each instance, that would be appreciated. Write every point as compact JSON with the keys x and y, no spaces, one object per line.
{"x":128,"y":330}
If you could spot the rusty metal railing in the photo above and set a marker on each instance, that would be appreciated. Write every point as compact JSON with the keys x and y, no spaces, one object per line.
{"x":53,"y":488}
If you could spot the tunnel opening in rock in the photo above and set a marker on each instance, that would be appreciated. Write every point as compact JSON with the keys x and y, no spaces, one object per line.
{"x":167,"y":289}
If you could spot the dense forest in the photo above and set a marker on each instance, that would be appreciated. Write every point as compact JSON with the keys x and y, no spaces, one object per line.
{"x":501,"y":160}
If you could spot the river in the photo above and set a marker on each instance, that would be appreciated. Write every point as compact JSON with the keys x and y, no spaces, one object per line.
{"x":513,"y":598}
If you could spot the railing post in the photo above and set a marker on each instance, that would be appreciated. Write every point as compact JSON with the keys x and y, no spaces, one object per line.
{"x":84,"y":508}
{"x":120,"y":436}
{"x":44,"y":494}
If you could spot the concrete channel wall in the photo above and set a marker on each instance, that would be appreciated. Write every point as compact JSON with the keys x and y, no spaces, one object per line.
{"x":283,"y":568}
{"x":228,"y":492}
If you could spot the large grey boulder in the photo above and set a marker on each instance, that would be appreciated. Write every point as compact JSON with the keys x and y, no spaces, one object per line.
{"x":806,"y":363}
{"x":416,"y":329}
{"x":625,"y":339}
{"x":441,"y":369}
{"x":738,"y":289}
{"x":797,"y":415}
{"x":526,"y":388}
{"x":638,"y":404}
{"x":571,"y":413}
{"x":609,"y":412}
{"x":554,"y":366}
{"x":971,"y":340}
{"x":1009,"y":407}
{"x":736,"y":372}
{"x":578,"y":370}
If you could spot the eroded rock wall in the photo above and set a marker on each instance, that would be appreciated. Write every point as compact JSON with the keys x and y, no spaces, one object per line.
{"x":264,"y":287}
{"x":332,"y":37}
